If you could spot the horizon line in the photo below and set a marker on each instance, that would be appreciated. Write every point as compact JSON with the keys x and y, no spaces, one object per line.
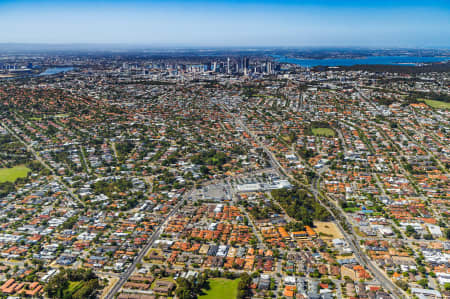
{"x":212,"y":47}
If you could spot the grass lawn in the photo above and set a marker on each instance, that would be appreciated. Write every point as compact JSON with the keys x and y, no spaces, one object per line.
{"x":436,"y":104}
{"x":12,"y":174}
{"x":352,"y":209}
{"x":323,"y":132}
{"x":221,"y":288}
{"x":73,"y":287}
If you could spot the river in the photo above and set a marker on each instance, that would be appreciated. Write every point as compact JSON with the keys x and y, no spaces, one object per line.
{"x":390,"y":60}
{"x":55,"y":70}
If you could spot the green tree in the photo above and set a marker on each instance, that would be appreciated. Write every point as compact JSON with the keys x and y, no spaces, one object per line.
{"x":244,"y":286}
{"x":423,"y":283}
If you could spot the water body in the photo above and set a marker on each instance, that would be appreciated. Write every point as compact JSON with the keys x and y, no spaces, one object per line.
{"x":390,"y":60}
{"x":47,"y":72}
{"x":55,"y":70}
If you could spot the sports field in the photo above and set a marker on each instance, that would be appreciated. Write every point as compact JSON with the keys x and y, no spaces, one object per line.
{"x":12,"y":174}
{"x":221,"y":288}
{"x":327,"y":132}
{"x":436,"y":104}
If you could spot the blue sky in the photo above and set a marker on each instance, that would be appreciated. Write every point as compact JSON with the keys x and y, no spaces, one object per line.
{"x":246,"y":23}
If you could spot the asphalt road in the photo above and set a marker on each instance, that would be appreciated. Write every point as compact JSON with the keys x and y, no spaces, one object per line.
{"x":361,"y":257}
{"x":44,"y":163}
{"x":124,"y":276}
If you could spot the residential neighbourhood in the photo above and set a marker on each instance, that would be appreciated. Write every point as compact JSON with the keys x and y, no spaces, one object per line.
{"x":170,"y":177}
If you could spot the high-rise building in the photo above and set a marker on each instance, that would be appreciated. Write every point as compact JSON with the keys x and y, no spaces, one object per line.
{"x":245,"y":64}
{"x":268,"y":67}
{"x":228,"y":65}
{"x":207,"y":66}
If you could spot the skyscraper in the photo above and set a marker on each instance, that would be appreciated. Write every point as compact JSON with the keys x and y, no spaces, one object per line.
{"x":245,"y":64}
{"x":268,"y":67}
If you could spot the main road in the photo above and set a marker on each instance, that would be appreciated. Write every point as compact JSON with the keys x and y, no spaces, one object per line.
{"x":314,"y":188}
{"x":361,"y":257}
{"x":124,"y":276}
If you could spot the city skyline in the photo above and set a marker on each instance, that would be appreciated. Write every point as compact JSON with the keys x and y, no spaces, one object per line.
{"x":228,"y":23}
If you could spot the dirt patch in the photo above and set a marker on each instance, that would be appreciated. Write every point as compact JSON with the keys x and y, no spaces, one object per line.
{"x":327,"y":230}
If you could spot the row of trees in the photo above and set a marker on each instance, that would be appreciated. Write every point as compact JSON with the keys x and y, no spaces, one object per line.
{"x":189,"y":288}
{"x":414,"y":96}
{"x":6,"y":188}
{"x":244,"y":287}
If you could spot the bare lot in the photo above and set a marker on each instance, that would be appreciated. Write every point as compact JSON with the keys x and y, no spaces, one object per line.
{"x":327,"y":230}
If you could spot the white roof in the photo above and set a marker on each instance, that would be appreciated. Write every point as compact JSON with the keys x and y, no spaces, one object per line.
{"x":289,"y":280}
